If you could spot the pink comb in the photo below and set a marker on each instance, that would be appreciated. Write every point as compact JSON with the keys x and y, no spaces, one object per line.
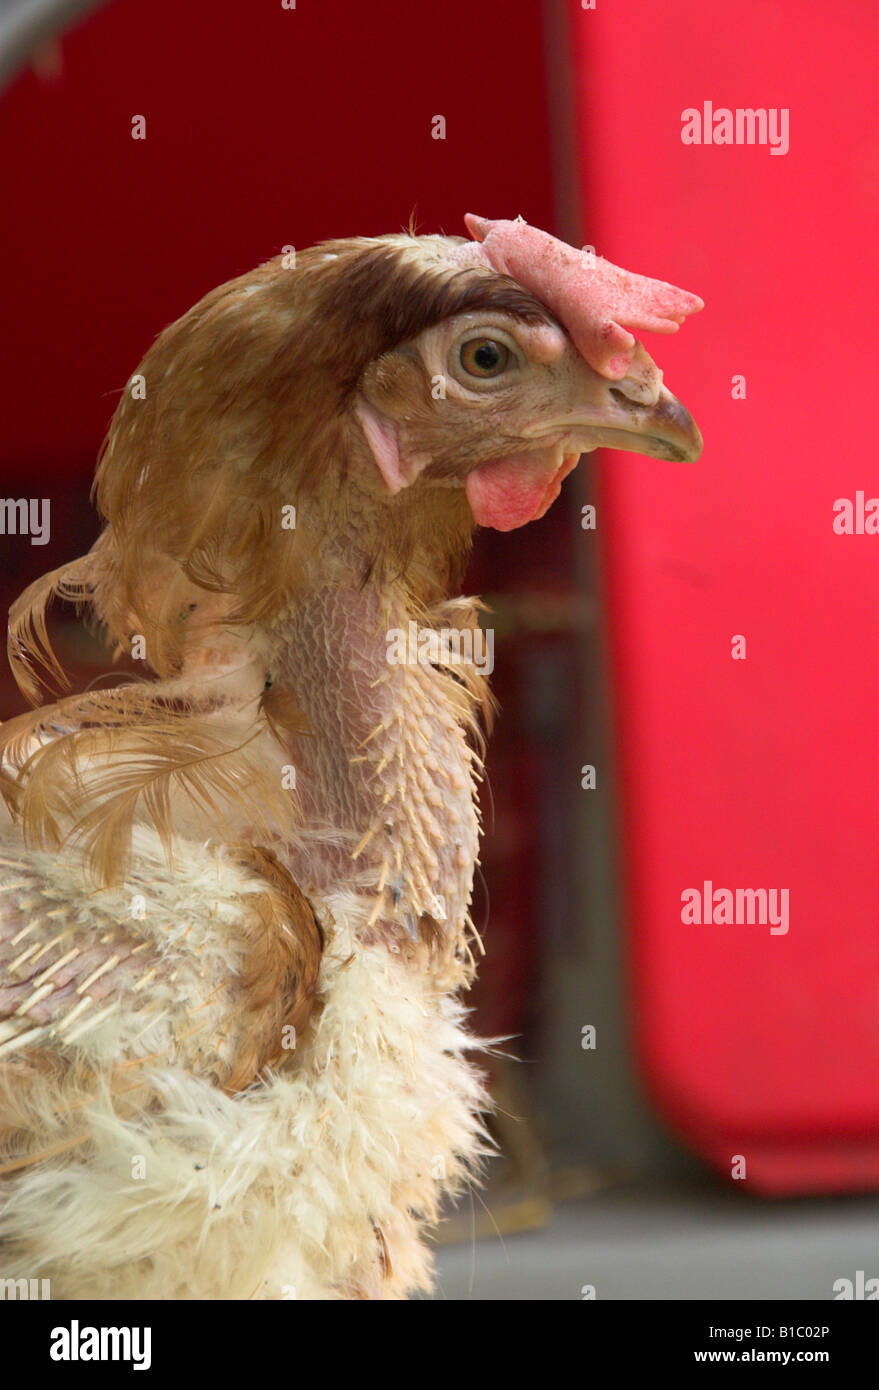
{"x":594,"y":300}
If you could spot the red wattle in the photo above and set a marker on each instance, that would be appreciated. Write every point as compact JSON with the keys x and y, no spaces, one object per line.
{"x":509,"y":492}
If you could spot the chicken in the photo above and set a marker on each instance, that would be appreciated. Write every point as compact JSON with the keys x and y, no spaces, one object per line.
{"x":234,"y":894}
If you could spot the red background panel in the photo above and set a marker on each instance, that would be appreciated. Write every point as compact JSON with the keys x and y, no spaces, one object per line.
{"x":264,"y":127}
{"x":762,"y":772}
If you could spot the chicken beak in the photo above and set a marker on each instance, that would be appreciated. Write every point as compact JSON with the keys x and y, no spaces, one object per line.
{"x":636,"y":413}
{"x":590,"y":411}
{"x":662,"y":430}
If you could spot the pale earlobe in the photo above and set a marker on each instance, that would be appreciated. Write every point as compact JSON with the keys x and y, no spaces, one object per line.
{"x":382,"y":436}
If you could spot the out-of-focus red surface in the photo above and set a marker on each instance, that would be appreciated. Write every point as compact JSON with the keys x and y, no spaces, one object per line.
{"x":763,"y":772}
{"x":264,"y":127}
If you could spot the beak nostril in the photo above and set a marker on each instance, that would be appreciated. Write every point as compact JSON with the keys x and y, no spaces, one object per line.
{"x":622,"y":400}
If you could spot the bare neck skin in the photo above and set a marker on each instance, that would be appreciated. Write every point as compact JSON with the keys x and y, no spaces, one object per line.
{"x":385,"y":776}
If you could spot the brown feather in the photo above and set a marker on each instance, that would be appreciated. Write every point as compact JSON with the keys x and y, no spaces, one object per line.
{"x":281,"y":974}
{"x":28,"y":643}
{"x":90,"y":784}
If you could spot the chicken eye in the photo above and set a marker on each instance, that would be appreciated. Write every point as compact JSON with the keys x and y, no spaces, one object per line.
{"x":485,"y":357}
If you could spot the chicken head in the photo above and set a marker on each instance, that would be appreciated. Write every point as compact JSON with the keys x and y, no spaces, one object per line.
{"x":504,"y":398}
